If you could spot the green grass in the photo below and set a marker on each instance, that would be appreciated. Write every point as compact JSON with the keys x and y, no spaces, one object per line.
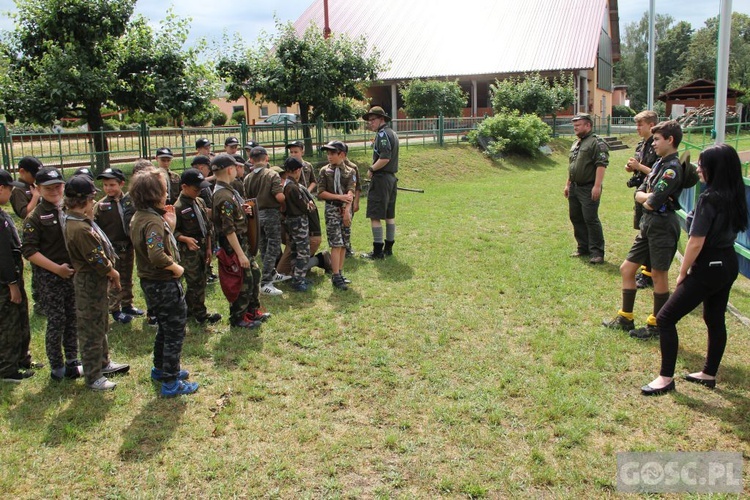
{"x":471,"y":365}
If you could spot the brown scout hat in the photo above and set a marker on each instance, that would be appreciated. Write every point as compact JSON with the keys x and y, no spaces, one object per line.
{"x":376,"y":111}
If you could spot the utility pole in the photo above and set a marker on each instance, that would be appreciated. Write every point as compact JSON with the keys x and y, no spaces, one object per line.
{"x":327,"y":27}
{"x":651,"y":52}
{"x":722,"y":71}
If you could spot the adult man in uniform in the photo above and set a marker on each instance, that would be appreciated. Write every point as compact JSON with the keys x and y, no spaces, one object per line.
{"x":589,"y":158}
{"x":381,"y":200}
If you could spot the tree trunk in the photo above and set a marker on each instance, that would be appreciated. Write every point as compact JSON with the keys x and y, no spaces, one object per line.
{"x":96,"y":129}
{"x":304,"y":116}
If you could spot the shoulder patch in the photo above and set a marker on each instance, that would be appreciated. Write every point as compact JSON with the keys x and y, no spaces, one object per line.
{"x":669,"y":174}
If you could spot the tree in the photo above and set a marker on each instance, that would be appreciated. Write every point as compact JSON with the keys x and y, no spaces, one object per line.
{"x":533,"y":94}
{"x":632,"y":69}
{"x":69,"y":58}
{"x":433,"y":98}
{"x":671,"y":55}
{"x":309,"y":70}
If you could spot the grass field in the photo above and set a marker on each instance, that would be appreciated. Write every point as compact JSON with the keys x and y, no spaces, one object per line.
{"x":470,"y":364}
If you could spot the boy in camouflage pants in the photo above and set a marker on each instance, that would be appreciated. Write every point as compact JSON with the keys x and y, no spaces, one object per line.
{"x":297,"y":223}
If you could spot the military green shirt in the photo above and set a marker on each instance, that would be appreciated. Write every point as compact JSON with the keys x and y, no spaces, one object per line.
{"x":174,"y":187}
{"x":586,"y":155}
{"x":188,"y":221}
{"x":43,"y":233}
{"x":327,"y":180}
{"x":228,"y":215}
{"x":308,"y":175}
{"x":296,"y":202}
{"x":86,"y":247}
{"x":264,"y":184}
{"x":385,"y":146}
{"x":357,"y":177}
{"x":154,"y":245}
{"x":20,"y":198}
{"x":113,"y":216}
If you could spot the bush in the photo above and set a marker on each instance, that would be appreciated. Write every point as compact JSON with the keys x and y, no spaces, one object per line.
{"x":622,"y":111}
{"x":511,"y":132}
{"x":533,"y":94}
{"x":433,"y":98}
{"x":238,"y":116}
{"x":219,"y":119}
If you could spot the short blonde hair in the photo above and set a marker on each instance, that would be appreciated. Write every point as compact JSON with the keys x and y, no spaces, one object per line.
{"x":147,"y":188}
{"x":647,"y":116}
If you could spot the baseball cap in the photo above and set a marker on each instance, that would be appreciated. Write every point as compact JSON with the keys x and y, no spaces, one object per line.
{"x":112,"y":173}
{"x":80,"y":186}
{"x":295,"y":144}
{"x":291,"y":164}
{"x":7,"y":180}
{"x":84,"y":171}
{"x":202,"y":143}
{"x":164,"y":152}
{"x":222,"y":161}
{"x":200,"y":160}
{"x":239,"y":159}
{"x":335,"y":146}
{"x":582,"y":116}
{"x":49,"y":175}
{"x":31,"y":164}
{"x":231,"y":141}
{"x":193,"y":177}
{"x":258,"y":151}
{"x":251,"y":145}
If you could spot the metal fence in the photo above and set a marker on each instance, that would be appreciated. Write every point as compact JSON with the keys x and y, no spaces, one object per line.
{"x":76,"y":148}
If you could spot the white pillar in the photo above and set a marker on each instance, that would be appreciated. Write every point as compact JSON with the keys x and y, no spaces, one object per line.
{"x":473,"y":98}
{"x":722,"y":71}
{"x":394,"y":104}
{"x":651,"y":53}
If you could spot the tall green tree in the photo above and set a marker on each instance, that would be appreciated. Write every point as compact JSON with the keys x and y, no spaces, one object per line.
{"x":423,"y":98}
{"x":533,"y":94}
{"x":68,"y":58}
{"x":632,"y":69}
{"x":308,"y":69}
{"x":671,"y":55}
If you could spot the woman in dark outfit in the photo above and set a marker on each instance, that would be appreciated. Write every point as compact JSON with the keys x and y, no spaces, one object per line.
{"x":709,"y":267}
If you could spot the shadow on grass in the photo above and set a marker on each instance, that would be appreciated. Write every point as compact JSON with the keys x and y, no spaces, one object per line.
{"x":85,"y":410}
{"x":235,"y":343}
{"x":32,"y":411}
{"x":393,"y":269}
{"x":152,"y":428}
{"x":731,"y":385}
{"x":133,"y":340}
{"x":538,"y":163}
{"x":612,"y":268}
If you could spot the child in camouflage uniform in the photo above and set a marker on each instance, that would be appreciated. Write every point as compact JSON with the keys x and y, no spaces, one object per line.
{"x":92,"y":257}
{"x":44,"y":245}
{"x":193,"y":234}
{"x":113,"y":213}
{"x":14,"y":308}
{"x":156,"y":258}
{"x":297,"y":223}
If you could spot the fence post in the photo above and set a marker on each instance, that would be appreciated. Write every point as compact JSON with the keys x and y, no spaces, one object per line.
{"x":554,"y":126}
{"x":182,"y":137}
{"x":609,"y":125}
{"x":143,"y":132}
{"x":319,"y":131}
{"x":441,"y":130}
{"x":4,"y":146}
{"x":243,"y":133}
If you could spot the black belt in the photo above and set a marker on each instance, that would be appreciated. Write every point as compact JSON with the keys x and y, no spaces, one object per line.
{"x":581,"y":184}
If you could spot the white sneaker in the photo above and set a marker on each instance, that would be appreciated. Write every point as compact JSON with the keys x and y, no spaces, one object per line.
{"x":102,"y":385}
{"x":269,"y":289}
{"x":113,"y":368}
{"x":281,"y":277}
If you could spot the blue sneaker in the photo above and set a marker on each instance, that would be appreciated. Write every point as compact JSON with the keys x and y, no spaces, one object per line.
{"x":156,"y":375}
{"x":178,"y":388}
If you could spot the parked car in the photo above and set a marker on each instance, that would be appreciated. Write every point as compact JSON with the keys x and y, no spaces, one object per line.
{"x":279,"y":119}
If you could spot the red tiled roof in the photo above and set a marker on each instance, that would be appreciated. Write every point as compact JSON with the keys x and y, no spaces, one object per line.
{"x":437,"y":38}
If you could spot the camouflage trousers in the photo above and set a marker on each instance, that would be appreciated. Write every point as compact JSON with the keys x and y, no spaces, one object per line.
{"x":334,"y":226}
{"x":58,"y":296}
{"x":166,"y":301}
{"x":269,"y":242}
{"x":298,"y":231}
{"x":346,"y":232}
{"x":92,"y":320}
{"x":124,"y":265}
{"x":249,"y":297}
{"x":35,"y":287}
{"x":14,"y":331}
{"x":196,"y":274}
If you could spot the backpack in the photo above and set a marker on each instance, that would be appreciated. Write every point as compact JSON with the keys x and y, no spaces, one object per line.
{"x":689,"y":171}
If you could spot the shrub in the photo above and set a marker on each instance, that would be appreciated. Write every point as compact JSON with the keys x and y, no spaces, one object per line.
{"x":219,"y":119}
{"x":511,"y":132}
{"x":238,"y":116}
{"x":533,"y":94}
{"x":622,"y":111}
{"x":433,"y":98}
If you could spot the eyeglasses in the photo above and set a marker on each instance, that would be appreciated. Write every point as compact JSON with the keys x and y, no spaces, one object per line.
{"x":372,"y":119}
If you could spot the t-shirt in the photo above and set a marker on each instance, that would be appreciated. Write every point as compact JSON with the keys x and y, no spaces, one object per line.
{"x":713,"y":222}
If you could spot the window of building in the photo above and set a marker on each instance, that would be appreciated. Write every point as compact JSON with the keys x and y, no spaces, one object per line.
{"x":604,"y":66}
{"x":237,"y":108}
{"x":282,"y":109}
{"x":264,"y":111}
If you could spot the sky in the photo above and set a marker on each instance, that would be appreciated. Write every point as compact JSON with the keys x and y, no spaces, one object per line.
{"x":210,"y":18}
